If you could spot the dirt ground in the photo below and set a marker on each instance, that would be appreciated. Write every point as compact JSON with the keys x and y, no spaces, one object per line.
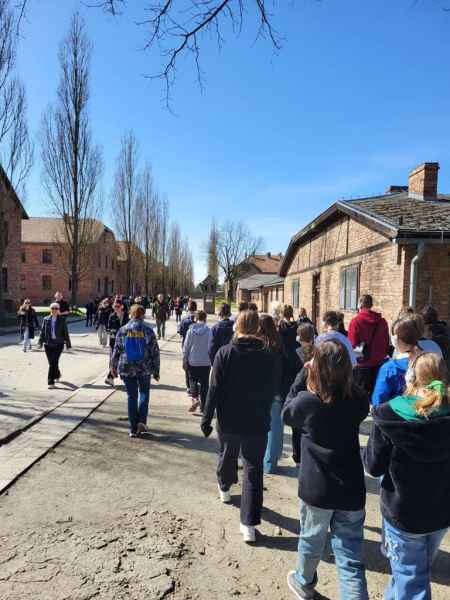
{"x":103,"y":516}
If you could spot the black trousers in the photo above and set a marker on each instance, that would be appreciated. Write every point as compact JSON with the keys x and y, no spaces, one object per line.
{"x":252,"y":449}
{"x":296,"y":444}
{"x":53,"y":353}
{"x":365,"y":378}
{"x":89,"y":319}
{"x":199,"y":383}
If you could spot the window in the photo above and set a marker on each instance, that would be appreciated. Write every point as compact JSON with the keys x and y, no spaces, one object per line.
{"x":106,"y":262}
{"x":99,"y":261}
{"x":47,"y":258}
{"x":70,"y":284}
{"x":23,"y":256}
{"x":5,"y":230}
{"x":46,"y":282}
{"x":23,"y":285}
{"x":99,"y":286}
{"x":296,"y":293}
{"x":348,"y":288}
{"x":112,"y":286}
{"x":4,"y":280}
{"x":112,"y":264}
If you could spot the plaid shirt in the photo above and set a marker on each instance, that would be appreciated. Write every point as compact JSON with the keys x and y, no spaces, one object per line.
{"x":150,"y":364}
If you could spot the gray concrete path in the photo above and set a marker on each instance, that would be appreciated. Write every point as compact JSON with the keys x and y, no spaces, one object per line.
{"x":39,"y":426}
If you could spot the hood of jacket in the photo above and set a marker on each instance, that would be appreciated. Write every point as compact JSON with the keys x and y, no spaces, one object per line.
{"x":369,"y":316}
{"x":199,"y":329}
{"x":424,"y":441}
{"x":248,"y":344}
{"x":225,"y":324}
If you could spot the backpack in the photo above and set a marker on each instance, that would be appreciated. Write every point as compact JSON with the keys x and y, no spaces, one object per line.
{"x":134,"y":345}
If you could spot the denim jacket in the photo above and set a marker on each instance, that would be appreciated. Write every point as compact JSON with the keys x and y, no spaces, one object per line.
{"x":149,"y":365}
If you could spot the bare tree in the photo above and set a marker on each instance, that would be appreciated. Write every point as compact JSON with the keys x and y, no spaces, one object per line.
{"x":235,"y":246}
{"x":72,"y":164}
{"x":127,"y":203}
{"x":212,"y":252}
{"x":16,"y":149}
{"x":149,"y":226}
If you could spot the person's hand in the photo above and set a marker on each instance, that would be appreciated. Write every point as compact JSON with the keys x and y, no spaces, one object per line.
{"x":206,"y":429}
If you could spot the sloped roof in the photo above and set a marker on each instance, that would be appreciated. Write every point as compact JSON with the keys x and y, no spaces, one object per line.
{"x":397,"y":216}
{"x":265,"y":263}
{"x":50,"y":230}
{"x":122,"y":245}
{"x":256,"y":281}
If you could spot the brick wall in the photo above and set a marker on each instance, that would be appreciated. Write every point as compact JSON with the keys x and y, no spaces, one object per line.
{"x":99,"y":269}
{"x":11,"y":260}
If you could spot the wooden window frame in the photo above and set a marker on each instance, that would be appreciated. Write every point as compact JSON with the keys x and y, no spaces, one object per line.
{"x":343,"y":292}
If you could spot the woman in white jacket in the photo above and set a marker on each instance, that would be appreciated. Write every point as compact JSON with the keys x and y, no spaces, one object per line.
{"x":196,"y":360}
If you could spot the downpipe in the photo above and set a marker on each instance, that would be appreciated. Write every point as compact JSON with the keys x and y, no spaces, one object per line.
{"x":413,"y":274}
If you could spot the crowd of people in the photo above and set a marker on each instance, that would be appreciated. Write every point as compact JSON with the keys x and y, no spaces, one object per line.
{"x":254,"y":373}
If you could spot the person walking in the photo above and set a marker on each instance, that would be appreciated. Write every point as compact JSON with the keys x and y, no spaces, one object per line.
{"x":196,"y":359}
{"x":303,"y":317}
{"x":54,"y":334}
{"x":64,"y":308}
{"x":369,"y":332}
{"x":161,"y":311}
{"x":28,"y":322}
{"x":242,"y":391}
{"x":90,"y":313}
{"x":136,"y":359}
{"x":221,"y":332}
{"x":101,"y":321}
{"x":331,"y":479}
{"x":178,"y":306}
{"x":409,"y":448}
{"x":269,"y":334}
{"x":437,"y":331}
{"x":182,"y":329}
{"x":117,"y":319}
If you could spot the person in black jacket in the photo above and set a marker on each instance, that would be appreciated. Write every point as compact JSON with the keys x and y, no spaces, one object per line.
{"x":331,"y":479}
{"x":274,"y":449}
{"x":182,"y":329}
{"x":242,"y":392}
{"x":54,"y":334}
{"x":28,"y":322}
{"x":162,"y":312}
{"x":409,"y":447}
{"x":221,"y":332}
{"x":117,"y":319}
{"x":90,"y":313}
{"x":101,"y":321}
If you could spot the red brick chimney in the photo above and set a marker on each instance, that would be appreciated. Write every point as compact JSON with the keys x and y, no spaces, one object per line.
{"x":423,"y":181}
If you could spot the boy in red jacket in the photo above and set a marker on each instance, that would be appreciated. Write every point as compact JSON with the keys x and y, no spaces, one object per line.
{"x":370,"y":332}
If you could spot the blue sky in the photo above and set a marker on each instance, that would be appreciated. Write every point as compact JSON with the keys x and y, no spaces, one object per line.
{"x":357,"y":96}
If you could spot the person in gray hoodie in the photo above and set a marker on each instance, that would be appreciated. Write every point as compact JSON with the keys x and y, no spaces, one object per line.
{"x":196,"y":360}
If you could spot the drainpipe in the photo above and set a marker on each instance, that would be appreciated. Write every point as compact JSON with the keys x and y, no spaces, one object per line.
{"x":413,"y":275}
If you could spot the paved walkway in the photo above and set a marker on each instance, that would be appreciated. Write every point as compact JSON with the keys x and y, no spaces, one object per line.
{"x":34,"y":425}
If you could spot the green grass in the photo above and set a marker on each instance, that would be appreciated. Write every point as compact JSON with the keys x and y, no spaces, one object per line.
{"x":10,"y":319}
{"x":220,"y":300}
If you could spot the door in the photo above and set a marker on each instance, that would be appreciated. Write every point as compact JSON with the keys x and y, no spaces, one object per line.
{"x":316,"y":300}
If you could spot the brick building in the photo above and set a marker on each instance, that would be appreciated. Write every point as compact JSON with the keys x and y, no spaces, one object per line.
{"x":11,"y":215}
{"x":44,"y":267}
{"x":395,"y":246}
{"x":137,"y":269}
{"x":261,"y":289}
{"x":259,"y":264}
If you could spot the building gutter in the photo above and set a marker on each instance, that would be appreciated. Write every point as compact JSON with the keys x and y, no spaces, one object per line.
{"x":413,"y":274}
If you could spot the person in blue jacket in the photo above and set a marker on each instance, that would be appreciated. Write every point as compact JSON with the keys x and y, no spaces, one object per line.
{"x":408,"y":344}
{"x":221,"y":332}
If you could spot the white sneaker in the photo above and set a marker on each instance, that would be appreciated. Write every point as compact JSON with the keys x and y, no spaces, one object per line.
{"x":225,"y":497}
{"x":51,"y":386}
{"x":249,"y":533}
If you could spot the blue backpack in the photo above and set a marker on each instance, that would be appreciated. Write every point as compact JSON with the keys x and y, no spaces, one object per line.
{"x":134,"y":345}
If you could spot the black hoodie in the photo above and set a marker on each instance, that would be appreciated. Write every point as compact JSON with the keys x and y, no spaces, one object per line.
{"x":241,"y":388}
{"x":293,"y":364}
{"x":413,"y":456}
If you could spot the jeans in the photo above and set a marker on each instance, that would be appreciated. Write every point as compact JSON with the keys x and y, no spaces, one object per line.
{"x":199,"y":383}
{"x":102,"y":336}
{"x":138,"y":390}
{"x":346,"y":541}
{"x":89,"y":319}
{"x":26,"y":339}
{"x":161,"y":329}
{"x":178,"y":317}
{"x":411,"y":556}
{"x":53,"y":353}
{"x":275,"y":438}
{"x":252,"y":448}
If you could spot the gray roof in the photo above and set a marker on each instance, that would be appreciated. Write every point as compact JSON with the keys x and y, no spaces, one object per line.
{"x":256,"y":281}
{"x":408,"y":215}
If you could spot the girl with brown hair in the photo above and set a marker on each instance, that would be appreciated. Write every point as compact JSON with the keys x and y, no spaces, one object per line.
{"x":409,"y":447}
{"x":241,"y":392}
{"x":331,"y":479}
